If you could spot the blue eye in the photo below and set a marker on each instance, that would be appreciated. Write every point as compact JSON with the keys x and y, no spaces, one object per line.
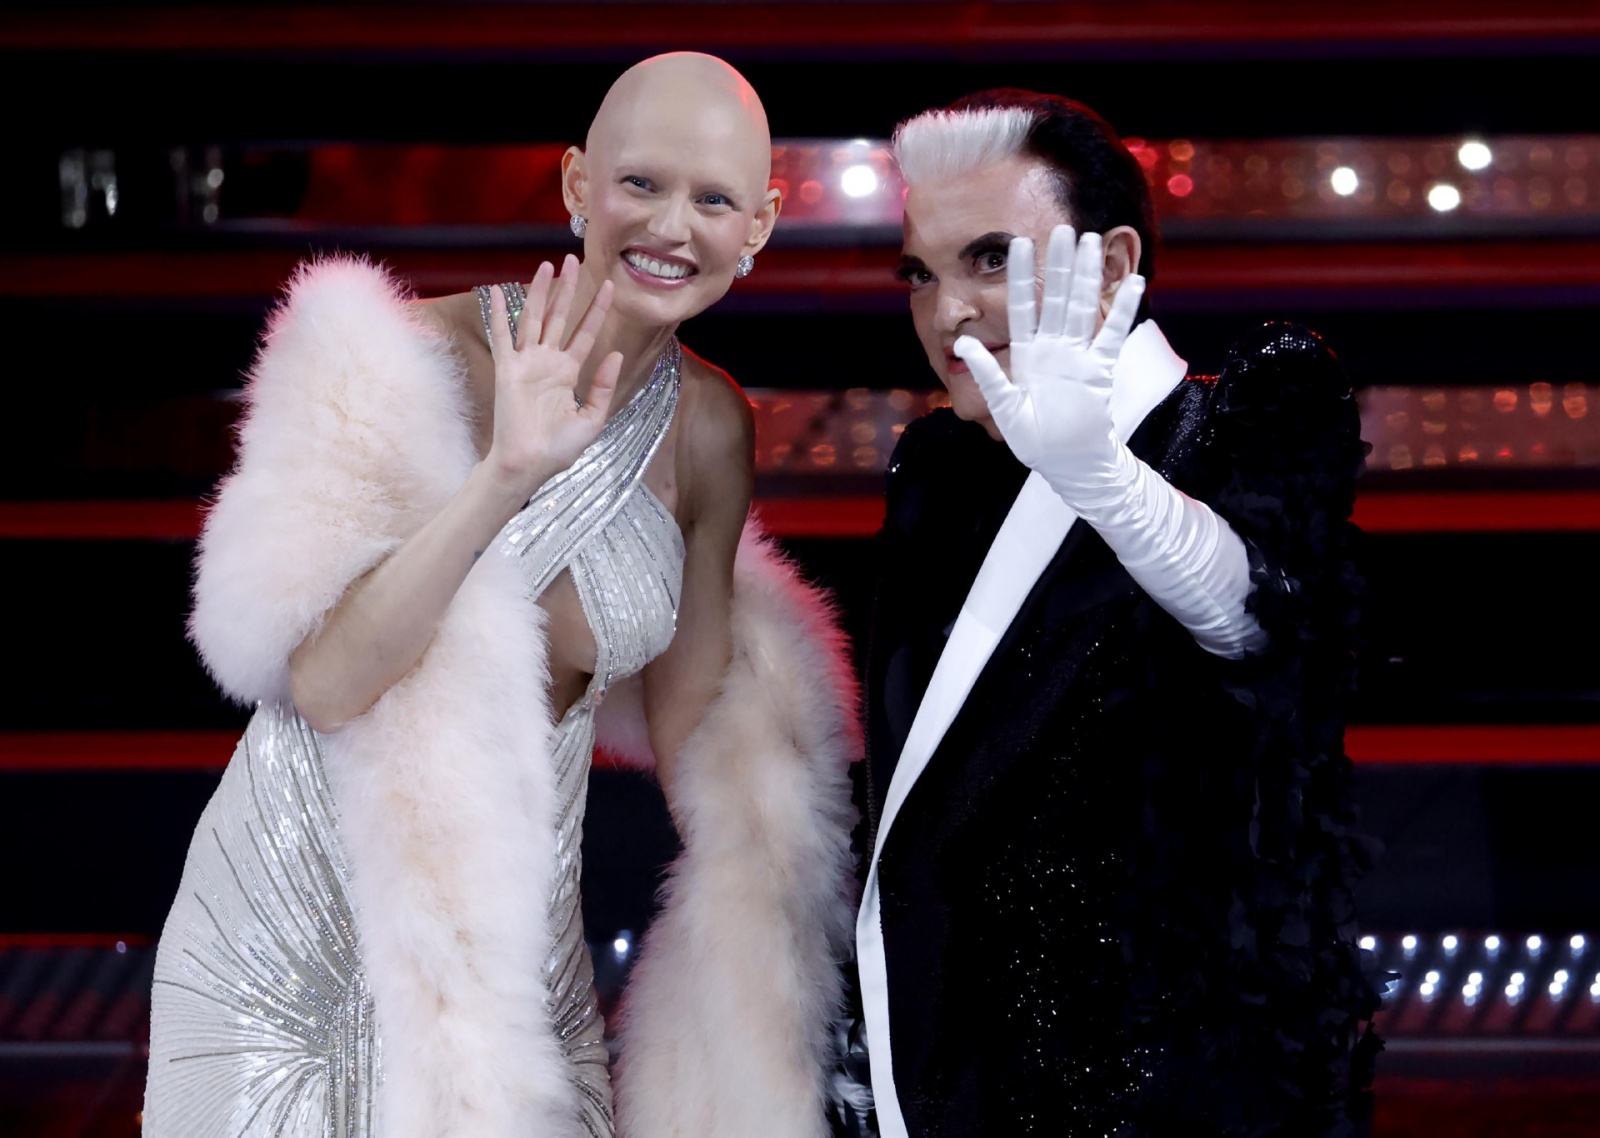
{"x":716,"y":200}
{"x":635,"y":180}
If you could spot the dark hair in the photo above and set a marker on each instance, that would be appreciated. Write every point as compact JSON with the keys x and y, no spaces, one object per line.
{"x":1099,"y":182}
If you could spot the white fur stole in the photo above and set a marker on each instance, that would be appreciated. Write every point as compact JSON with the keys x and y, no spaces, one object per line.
{"x":727,"y":1023}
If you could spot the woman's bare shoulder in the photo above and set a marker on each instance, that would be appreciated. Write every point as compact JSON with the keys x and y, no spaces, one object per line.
{"x":717,"y":417}
{"x":447,"y":315}
{"x":719,"y":432}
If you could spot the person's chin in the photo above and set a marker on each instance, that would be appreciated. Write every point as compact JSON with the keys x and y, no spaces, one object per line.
{"x":965,"y":398}
{"x":980,"y":418}
{"x":663,"y":306}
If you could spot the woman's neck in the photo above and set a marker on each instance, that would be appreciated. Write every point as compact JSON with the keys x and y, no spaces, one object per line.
{"x":640,"y":345}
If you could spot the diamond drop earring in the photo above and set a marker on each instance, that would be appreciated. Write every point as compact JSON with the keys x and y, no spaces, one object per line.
{"x":745,"y":267}
{"x":579,"y":225}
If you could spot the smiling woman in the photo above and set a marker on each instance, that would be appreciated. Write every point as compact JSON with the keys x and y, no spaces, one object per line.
{"x":455,"y":529}
{"x":673,"y":189}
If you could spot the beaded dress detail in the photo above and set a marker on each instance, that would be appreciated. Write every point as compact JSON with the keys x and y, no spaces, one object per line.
{"x":262,"y":1020}
{"x":625,"y":551}
{"x":264,"y":1024}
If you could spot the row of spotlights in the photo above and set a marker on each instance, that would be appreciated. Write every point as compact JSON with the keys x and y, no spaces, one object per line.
{"x":1516,"y":987}
{"x":1443,"y":197}
{"x":1491,"y":943}
{"x":861,"y":180}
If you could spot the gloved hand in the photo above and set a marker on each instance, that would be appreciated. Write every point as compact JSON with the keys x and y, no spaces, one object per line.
{"x":1054,"y":412}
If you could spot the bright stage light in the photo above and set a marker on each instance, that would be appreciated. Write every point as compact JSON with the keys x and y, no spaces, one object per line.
{"x":1344,"y":181}
{"x":858,"y":181}
{"x":1474,"y":155}
{"x":1444,"y":197}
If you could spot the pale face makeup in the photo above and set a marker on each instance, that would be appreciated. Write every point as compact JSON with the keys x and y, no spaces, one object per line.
{"x":957,"y":236}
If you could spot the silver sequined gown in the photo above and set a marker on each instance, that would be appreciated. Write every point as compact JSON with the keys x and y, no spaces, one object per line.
{"x":262,"y":1022}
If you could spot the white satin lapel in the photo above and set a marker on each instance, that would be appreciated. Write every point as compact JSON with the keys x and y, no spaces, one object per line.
{"x":1038,"y":522}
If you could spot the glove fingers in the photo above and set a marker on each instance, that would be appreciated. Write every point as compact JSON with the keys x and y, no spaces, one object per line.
{"x":1057,"y":281}
{"x":1119,"y":321}
{"x":1083,"y":309}
{"x":1002,"y":396}
{"x":1020,"y":290}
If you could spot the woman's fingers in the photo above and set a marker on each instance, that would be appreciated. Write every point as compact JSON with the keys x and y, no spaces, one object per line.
{"x":555,"y":326}
{"x":500,"y":342}
{"x":530,"y":326}
{"x":589,"y":327}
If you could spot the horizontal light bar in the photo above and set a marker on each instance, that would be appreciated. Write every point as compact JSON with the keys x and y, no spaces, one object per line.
{"x":1367,"y":745}
{"x":859,"y":515}
{"x":1371,"y":273}
{"x":1233,"y":189}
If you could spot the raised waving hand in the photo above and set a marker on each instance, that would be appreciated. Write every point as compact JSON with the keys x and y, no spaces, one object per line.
{"x":541,"y":424}
{"x":1054,"y":409}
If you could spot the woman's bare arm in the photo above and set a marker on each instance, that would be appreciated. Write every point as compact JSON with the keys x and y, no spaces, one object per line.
{"x":384,"y":622}
{"x":681,"y":683}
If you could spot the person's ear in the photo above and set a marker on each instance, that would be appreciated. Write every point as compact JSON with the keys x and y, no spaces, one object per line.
{"x":766,"y":216}
{"x":575,"y":181}
{"x":1120,"y":250}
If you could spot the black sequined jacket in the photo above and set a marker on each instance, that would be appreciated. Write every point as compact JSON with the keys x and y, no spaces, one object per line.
{"x":1118,"y":899}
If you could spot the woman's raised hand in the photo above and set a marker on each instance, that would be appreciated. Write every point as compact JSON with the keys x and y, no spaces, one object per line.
{"x":540,"y":424}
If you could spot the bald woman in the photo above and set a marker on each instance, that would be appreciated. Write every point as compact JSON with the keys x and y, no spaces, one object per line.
{"x":455,"y":530}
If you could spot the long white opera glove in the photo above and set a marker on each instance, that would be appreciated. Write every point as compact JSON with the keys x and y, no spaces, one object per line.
{"x":1054,"y":411}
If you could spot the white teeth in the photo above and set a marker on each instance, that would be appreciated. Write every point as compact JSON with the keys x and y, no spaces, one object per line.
{"x":655,"y":268}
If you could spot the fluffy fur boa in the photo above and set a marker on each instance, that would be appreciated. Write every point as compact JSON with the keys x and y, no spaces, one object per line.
{"x":356,"y":433}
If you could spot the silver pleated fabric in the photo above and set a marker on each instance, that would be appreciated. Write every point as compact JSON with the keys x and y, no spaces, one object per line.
{"x":625,"y":552}
{"x":262,"y":1023}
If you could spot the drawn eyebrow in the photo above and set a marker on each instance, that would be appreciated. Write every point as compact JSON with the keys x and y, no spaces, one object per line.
{"x":996,"y":241}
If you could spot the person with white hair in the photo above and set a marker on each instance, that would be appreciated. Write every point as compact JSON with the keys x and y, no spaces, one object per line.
{"x":465,"y":538}
{"x":1109,"y":844}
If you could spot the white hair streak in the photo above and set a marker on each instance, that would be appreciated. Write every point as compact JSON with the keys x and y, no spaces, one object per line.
{"x":936,"y":145}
